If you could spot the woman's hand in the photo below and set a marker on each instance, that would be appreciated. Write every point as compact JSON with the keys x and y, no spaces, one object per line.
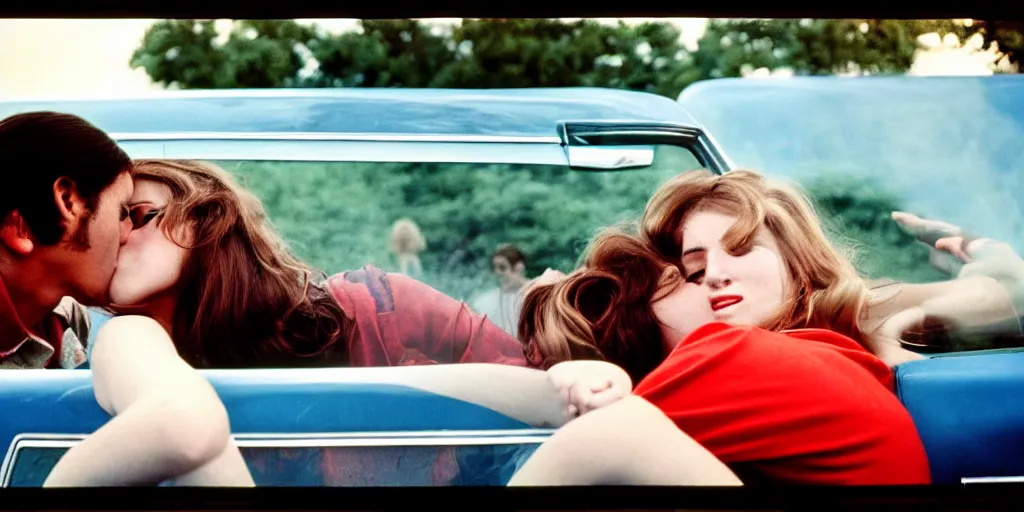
{"x":975,"y":257}
{"x":589,"y":385}
{"x":943,"y":239}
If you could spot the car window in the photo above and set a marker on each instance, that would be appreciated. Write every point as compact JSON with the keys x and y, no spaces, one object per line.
{"x":942,"y":148}
{"x":363,"y":462}
{"x":387,"y":465}
{"x":29,"y":467}
{"x":340,"y":215}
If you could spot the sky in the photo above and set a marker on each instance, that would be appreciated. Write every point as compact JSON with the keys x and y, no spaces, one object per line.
{"x":90,"y":57}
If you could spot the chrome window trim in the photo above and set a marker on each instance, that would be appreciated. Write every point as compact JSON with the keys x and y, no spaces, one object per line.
{"x":335,"y":136}
{"x":349,"y":151}
{"x":992,"y":480}
{"x":717,"y":161}
{"x":707,"y":140}
{"x":398,"y":147}
{"x":310,"y":440}
{"x":388,"y":442}
{"x":403,"y":434}
{"x":697,"y":141}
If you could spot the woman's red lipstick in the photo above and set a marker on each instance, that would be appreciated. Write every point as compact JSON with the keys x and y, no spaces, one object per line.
{"x":724,"y":301}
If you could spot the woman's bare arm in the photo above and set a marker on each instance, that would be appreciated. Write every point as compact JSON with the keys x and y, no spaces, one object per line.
{"x":167,"y":419}
{"x":224,"y":471}
{"x":535,"y":397}
{"x":970,"y":301}
{"x":987,"y":290}
{"x":630,"y":442}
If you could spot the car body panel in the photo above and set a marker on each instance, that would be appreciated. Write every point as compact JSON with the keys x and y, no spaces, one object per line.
{"x":318,"y":408}
{"x":969,"y":412}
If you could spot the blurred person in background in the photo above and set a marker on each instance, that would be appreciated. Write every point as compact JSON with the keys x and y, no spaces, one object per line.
{"x":503,"y":303}
{"x":407,"y":242}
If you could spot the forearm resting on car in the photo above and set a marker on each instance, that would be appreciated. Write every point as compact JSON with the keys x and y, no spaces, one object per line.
{"x":523,"y":394}
{"x":167,"y":419}
{"x":528,"y":395}
{"x":630,"y":442}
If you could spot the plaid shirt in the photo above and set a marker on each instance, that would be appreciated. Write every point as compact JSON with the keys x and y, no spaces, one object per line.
{"x":58,"y":341}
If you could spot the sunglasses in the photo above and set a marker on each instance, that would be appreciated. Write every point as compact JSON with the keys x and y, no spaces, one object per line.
{"x":140,"y":215}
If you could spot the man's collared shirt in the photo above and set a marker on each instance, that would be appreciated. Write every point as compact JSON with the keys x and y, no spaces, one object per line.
{"x":56,"y":342}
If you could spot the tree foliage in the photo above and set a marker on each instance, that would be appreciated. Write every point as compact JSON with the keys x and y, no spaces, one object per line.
{"x":492,"y":53}
{"x":812,"y":46}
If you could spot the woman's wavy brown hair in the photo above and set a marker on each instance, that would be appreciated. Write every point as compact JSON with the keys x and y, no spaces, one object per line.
{"x":244,"y":300}
{"x":603,"y":310}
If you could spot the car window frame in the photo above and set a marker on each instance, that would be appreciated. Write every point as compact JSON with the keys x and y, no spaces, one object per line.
{"x":439,"y":438}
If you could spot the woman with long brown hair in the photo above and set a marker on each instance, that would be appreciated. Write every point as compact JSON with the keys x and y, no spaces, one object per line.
{"x":204,"y":261}
{"x":743,"y":323}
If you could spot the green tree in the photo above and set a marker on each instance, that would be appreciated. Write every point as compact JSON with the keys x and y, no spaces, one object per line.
{"x":490,"y":53}
{"x":384,"y":53}
{"x":552,"y":53}
{"x":812,"y":46}
{"x":477,"y":53}
{"x":257,"y":53}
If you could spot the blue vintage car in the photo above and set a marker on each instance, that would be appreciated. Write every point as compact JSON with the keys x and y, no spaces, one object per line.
{"x":359,"y":427}
{"x":382,"y":426}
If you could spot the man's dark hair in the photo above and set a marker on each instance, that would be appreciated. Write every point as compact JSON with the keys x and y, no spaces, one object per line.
{"x":510,"y":253}
{"x":37,"y":149}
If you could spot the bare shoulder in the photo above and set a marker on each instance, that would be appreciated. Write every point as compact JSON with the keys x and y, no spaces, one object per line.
{"x":132,"y":333}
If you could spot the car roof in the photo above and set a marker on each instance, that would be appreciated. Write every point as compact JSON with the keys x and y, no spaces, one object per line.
{"x":861,"y":85}
{"x":495,"y":112}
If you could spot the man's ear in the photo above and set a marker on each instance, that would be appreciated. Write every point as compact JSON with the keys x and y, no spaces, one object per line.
{"x":70,"y":204}
{"x":15,"y":234}
{"x":519,"y":267}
